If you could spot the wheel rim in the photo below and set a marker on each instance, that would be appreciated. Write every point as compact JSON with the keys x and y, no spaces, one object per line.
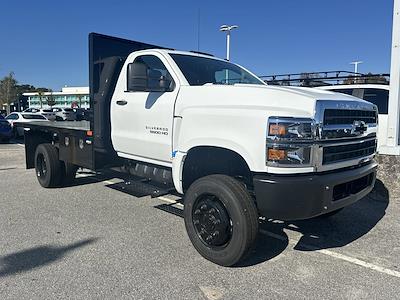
{"x":41,"y":165}
{"x":211,"y":221}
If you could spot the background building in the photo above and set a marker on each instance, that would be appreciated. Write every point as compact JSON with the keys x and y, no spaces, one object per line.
{"x":65,"y":98}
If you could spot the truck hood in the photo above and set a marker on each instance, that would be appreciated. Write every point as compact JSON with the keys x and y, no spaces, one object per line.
{"x":278,"y":100}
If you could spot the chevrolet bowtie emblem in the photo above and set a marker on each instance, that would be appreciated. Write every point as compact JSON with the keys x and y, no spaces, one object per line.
{"x":358,"y":127}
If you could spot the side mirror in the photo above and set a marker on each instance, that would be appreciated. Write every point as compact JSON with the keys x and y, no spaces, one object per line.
{"x":137,"y":77}
{"x":142,"y":79}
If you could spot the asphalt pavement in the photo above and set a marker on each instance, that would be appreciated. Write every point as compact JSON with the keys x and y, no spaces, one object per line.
{"x":92,"y":241}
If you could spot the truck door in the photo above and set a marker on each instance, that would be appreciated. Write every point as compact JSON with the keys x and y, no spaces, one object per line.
{"x":141,"y":120}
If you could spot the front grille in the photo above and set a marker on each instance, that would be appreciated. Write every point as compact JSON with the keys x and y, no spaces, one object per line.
{"x":333,"y":154}
{"x":348,"y":116}
{"x":346,"y":189}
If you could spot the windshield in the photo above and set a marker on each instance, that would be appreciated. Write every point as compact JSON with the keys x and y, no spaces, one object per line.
{"x":201,"y":70}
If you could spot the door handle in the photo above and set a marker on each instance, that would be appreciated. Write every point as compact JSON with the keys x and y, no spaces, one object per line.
{"x":122,"y":102}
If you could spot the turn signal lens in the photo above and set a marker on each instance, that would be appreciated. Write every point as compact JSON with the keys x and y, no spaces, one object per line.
{"x":277,"y":129}
{"x":276,"y":154}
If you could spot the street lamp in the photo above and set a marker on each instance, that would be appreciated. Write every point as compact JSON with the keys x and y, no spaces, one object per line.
{"x":356,"y":63}
{"x":228,"y":29}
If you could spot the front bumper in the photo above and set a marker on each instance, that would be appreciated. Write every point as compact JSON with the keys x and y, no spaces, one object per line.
{"x":298,"y":197}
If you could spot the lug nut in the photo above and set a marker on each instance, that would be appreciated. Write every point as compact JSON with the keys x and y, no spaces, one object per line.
{"x":197,"y":211}
{"x":212,"y":210}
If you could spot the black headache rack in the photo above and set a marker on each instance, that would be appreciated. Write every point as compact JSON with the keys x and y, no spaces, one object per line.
{"x":107,"y":55}
{"x":88,"y":143}
{"x":326,"y":78}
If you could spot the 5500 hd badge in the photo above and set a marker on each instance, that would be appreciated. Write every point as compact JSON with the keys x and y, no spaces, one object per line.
{"x":157,"y":130}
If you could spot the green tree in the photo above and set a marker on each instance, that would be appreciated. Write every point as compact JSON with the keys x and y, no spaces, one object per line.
{"x":24,"y":88}
{"x":368,"y":78}
{"x":40,"y":92}
{"x":350,"y":80}
{"x":375,"y":78}
{"x":8,"y":90}
{"x":79,"y":99}
{"x":311,"y":80}
{"x":51,"y":100}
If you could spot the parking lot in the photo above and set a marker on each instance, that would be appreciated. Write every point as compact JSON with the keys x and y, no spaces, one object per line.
{"x":93,"y":241}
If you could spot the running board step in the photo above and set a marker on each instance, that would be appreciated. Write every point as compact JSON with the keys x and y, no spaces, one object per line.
{"x":141,"y":188}
{"x":169,"y":208}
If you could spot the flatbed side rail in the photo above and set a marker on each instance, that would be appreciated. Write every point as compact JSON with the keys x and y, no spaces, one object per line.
{"x":75,"y":145}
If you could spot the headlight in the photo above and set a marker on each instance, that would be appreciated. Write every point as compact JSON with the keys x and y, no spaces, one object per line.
{"x":290,"y":128}
{"x":290,"y":141}
{"x":289,"y":155}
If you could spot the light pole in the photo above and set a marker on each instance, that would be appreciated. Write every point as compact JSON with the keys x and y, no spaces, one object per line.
{"x":228,"y":29}
{"x":356,"y":63}
{"x":392,"y":143}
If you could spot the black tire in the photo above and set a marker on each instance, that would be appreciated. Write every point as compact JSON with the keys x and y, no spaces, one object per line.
{"x":329,"y":214}
{"x":47,"y":165}
{"x":226,"y":196}
{"x":68,"y":173}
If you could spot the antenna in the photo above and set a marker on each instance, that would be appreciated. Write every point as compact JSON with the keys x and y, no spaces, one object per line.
{"x":198,"y":30}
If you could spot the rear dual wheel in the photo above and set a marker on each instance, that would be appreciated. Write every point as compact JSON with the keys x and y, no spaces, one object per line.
{"x":50,"y":171}
{"x":221,"y":219}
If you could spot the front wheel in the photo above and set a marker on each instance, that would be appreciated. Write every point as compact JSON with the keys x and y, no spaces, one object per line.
{"x":221,"y":219}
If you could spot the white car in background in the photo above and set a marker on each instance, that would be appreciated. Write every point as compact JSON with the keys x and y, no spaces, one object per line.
{"x":377,"y":94}
{"x":17,"y":117}
{"x":47,"y":112}
{"x":64,"y":114}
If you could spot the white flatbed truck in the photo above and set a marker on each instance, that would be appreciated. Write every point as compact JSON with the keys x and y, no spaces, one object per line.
{"x":236,"y":148}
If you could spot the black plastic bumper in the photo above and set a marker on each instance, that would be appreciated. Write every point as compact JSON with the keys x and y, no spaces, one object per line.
{"x":305,"y":196}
